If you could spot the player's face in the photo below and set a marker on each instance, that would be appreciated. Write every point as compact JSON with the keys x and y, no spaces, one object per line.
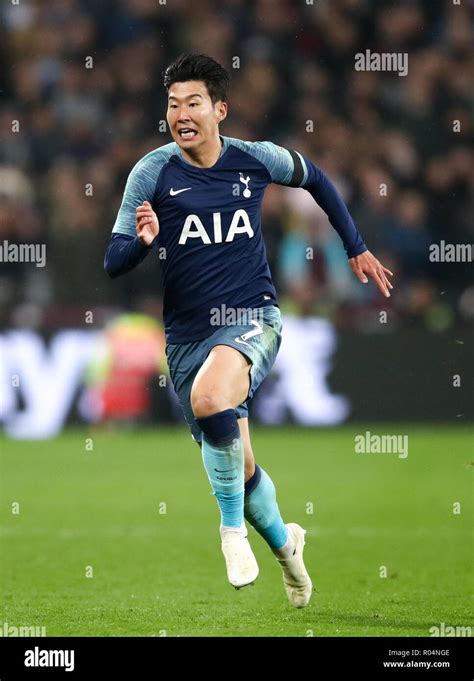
{"x":192,"y":117}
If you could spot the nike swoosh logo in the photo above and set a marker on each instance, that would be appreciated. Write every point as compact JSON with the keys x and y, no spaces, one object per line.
{"x":227,"y":471}
{"x":173,"y":192}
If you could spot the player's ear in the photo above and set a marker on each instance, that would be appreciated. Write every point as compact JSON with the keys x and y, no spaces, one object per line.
{"x":221,"y":111}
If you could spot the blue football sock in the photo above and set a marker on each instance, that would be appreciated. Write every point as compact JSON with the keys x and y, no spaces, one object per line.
{"x":223,"y":458}
{"x":261,"y":509}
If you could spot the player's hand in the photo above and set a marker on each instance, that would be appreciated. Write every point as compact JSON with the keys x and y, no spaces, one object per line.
{"x":367,"y":264}
{"x":146,"y":223}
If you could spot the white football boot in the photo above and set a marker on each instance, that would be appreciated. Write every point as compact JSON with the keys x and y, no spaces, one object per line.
{"x":242,"y":567}
{"x":298,"y":585}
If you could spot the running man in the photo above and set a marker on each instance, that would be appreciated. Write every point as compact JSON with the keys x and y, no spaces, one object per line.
{"x":198,"y":200}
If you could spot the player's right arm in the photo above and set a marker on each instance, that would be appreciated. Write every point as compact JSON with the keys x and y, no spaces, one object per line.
{"x":146,"y":224}
{"x":136,"y":226}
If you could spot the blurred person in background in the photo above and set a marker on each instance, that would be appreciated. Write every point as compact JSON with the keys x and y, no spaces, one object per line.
{"x":298,"y":63}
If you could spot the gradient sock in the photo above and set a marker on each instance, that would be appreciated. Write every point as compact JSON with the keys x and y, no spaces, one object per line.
{"x":223,"y":458}
{"x":262,"y":512}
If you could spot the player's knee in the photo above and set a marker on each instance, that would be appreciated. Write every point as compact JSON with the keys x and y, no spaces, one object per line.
{"x":204,"y":403}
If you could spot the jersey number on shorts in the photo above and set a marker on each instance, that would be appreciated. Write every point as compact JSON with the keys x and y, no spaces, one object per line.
{"x":255,"y":332}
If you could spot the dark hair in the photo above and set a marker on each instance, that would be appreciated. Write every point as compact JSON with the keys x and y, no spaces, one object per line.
{"x":199,"y":67}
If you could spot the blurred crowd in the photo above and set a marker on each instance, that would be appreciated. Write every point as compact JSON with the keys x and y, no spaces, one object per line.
{"x":83,"y":100}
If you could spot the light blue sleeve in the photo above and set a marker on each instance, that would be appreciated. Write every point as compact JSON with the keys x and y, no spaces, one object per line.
{"x":278,"y":161}
{"x":141,"y":185}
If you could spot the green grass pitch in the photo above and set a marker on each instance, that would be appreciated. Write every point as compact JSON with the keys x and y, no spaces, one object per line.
{"x":136,"y":514}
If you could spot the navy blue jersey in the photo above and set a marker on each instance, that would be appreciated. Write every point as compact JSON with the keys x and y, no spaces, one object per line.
{"x":210,"y":242}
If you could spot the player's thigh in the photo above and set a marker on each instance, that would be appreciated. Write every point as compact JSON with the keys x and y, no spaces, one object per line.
{"x":222,"y":382}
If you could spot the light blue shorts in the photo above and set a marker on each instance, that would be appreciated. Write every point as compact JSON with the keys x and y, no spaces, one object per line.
{"x":257,"y":336}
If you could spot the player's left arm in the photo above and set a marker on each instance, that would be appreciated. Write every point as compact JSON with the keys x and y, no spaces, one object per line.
{"x":361,"y":261}
{"x":292,"y":169}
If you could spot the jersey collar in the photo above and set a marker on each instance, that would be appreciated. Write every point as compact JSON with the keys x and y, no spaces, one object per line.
{"x":225,"y":146}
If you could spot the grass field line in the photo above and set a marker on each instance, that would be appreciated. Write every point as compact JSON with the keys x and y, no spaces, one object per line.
{"x":154,"y":530}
